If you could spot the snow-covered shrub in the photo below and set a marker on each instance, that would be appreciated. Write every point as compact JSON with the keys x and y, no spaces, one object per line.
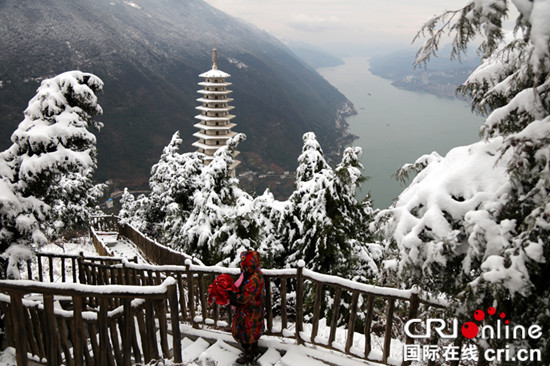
{"x":46,"y":175}
{"x":475,"y":224}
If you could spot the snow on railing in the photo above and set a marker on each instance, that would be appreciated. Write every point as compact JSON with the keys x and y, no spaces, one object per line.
{"x":291,"y":294}
{"x":285,"y":301}
{"x":70,"y":335}
{"x":296,"y":301}
{"x":61,"y":267}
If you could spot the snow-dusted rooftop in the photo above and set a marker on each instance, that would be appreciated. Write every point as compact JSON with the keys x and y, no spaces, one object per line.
{"x":214,"y":73}
{"x":206,"y":127}
{"x":215,"y":109}
{"x":206,"y":83}
{"x":204,"y":100}
{"x":214,"y":137}
{"x":202,"y":91}
{"x":220,"y":118}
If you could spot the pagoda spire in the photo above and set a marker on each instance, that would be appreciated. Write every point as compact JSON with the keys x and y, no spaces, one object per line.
{"x":214,"y":57}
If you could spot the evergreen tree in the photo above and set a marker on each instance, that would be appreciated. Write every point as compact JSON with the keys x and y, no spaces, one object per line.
{"x":202,"y":233}
{"x":270,"y":214}
{"x":134,"y":211}
{"x":46,"y":175}
{"x":126,"y":212}
{"x":481,"y":235}
{"x":173,"y":182}
{"x":324,"y":224}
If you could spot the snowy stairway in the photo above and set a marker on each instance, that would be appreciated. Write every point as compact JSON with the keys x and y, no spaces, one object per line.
{"x":121,"y":247}
{"x":202,"y":353}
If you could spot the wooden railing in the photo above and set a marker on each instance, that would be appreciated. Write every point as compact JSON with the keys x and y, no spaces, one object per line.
{"x":105,"y":223}
{"x":376,"y":303}
{"x":295,"y":300}
{"x":153,"y":251}
{"x":62,"y":267}
{"x":70,"y":335}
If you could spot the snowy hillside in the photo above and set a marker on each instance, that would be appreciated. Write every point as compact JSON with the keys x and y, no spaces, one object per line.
{"x":149,"y":55}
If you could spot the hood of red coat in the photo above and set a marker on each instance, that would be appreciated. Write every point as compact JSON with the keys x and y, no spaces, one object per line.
{"x":250,"y":261}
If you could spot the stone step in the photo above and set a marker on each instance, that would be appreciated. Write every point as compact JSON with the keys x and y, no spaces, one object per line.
{"x":202,"y":353}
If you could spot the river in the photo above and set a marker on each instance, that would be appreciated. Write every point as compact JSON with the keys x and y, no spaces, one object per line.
{"x":397,"y":126}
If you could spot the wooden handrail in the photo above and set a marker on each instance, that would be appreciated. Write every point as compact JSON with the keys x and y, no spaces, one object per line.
{"x":192,"y":281}
{"x":47,"y":335}
{"x":373,"y":307}
{"x":152,"y":250}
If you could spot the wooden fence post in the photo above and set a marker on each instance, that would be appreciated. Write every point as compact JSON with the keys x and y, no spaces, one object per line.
{"x":335,"y":315}
{"x":351,"y":322}
{"x":51,"y":333}
{"x":39,"y":259}
{"x":269,"y":309}
{"x":299,"y":300}
{"x":283,"y":304}
{"x":316,"y":311}
{"x":190,"y":292}
{"x":29,"y":269}
{"x":128,"y":324}
{"x":413,"y":312}
{"x":174,"y":318}
{"x":19,"y":332}
{"x":50,"y":264}
{"x":81,"y":276}
{"x":77,"y":328}
{"x":368,"y":322}
{"x":103,"y":329}
{"x":387,"y":335}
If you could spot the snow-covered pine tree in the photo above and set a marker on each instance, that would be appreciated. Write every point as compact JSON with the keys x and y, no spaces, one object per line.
{"x":324,"y":224}
{"x":126,"y":206}
{"x":270,"y":213}
{"x":133,"y":211}
{"x":475,"y":224}
{"x":352,"y":218}
{"x":173,"y":182}
{"x":207,"y":227}
{"x":46,"y":175}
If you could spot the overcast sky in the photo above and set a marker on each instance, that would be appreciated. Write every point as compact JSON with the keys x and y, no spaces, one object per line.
{"x":340,"y":26}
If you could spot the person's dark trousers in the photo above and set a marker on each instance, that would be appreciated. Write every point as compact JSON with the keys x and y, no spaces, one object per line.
{"x":250,"y":352}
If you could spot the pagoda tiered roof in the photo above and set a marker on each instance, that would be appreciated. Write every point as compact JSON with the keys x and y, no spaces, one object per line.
{"x":214,"y":73}
{"x":205,"y":100}
{"x":210,"y":118}
{"x":214,"y":128}
{"x":214,"y":109}
{"x":203,"y":91}
{"x":207,"y":83}
{"x":215,"y":137}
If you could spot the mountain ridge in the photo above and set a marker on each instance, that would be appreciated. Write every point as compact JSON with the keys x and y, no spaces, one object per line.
{"x":149,"y":53}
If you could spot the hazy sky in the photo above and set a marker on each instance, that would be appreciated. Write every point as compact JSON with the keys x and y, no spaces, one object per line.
{"x":340,"y":25}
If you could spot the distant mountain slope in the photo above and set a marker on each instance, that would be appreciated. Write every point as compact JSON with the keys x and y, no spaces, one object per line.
{"x":149,"y":54}
{"x":314,"y":56}
{"x":440,"y":77}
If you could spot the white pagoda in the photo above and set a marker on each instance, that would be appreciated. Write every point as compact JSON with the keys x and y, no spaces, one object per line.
{"x":215,"y":120}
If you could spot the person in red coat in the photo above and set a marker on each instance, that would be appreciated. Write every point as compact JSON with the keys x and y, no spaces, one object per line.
{"x":248,"y":321}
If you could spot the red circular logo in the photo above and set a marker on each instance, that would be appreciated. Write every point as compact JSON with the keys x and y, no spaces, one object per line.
{"x":470,"y":330}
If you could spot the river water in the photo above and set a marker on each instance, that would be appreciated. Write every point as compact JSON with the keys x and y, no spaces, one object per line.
{"x":396,"y":126}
